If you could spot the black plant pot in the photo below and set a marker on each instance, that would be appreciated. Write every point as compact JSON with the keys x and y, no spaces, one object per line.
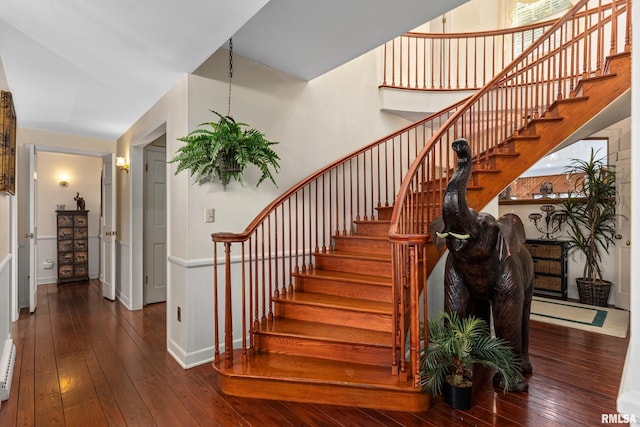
{"x":456,"y":397}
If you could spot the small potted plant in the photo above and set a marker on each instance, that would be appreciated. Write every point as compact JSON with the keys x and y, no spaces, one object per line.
{"x":455,"y":344}
{"x":223,"y":149}
{"x":590,"y":209}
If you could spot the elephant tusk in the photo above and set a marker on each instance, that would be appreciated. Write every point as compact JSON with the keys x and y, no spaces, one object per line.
{"x":451,"y":233}
{"x":460,"y":236}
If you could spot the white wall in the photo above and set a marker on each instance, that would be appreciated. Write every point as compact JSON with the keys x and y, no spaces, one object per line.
{"x":315,"y":123}
{"x":4,"y":197}
{"x":470,"y":17}
{"x":7,"y":254}
{"x":629,"y":394}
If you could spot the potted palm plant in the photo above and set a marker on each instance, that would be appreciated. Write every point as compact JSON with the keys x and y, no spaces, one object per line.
{"x":590,"y":209}
{"x":455,"y":344}
{"x":223,"y":149}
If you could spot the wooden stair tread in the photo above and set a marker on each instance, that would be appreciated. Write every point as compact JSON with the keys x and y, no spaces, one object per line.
{"x":289,"y":368}
{"x":360,"y":255}
{"x":345,"y":276}
{"x":325,"y":300}
{"x":372,"y":221}
{"x":365,"y":237}
{"x":325,"y":332}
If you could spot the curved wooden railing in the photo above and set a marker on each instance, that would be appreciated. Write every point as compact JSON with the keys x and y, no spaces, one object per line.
{"x":574,"y":47}
{"x":455,"y":61}
{"x":286,"y":234}
{"x":283,"y":238}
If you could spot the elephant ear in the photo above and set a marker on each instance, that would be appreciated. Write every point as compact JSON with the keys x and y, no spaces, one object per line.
{"x":437,"y":226}
{"x":511,"y":237}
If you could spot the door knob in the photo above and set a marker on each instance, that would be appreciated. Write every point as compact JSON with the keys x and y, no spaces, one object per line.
{"x":628,"y":242}
{"x":28,"y":235}
{"x":618,"y":236}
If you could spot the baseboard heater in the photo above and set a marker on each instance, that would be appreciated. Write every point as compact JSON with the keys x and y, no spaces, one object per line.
{"x":6,"y":368}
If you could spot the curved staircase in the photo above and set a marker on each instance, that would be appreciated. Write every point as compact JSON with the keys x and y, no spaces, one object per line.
{"x":334,"y":320}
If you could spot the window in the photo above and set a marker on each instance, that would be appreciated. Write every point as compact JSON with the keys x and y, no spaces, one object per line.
{"x":527,"y":12}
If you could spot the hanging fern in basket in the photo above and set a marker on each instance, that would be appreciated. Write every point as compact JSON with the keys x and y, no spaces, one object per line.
{"x":214,"y":145}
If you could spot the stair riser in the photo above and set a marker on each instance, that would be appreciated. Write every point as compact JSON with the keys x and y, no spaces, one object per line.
{"x":591,"y":87}
{"x":330,"y":394}
{"x":343,"y":352}
{"x":354,"y":265}
{"x":372,"y":228}
{"x":563,"y":108}
{"x":366,"y":246}
{"x":384,"y":213}
{"x":344,"y":289}
{"x":334,"y":316}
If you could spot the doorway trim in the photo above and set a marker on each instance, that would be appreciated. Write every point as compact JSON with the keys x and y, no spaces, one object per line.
{"x":61,"y":150}
{"x":136,"y":213}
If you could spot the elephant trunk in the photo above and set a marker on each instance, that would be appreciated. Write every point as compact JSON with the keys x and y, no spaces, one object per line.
{"x":455,"y":211}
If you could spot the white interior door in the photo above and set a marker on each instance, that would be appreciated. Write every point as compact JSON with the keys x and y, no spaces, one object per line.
{"x":108,"y":230}
{"x":155,"y":226}
{"x":32,"y":233}
{"x":623,"y":235}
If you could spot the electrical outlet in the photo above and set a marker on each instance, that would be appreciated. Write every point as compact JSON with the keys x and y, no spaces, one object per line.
{"x":179,"y":314}
{"x":209,"y":215}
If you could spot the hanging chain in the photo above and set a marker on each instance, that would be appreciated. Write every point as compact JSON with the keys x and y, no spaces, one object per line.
{"x":230,"y":74}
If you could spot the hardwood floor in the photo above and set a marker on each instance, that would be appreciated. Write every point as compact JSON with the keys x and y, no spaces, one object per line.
{"x":83,"y":360}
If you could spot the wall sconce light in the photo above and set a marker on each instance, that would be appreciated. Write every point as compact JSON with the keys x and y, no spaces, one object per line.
{"x":122,"y":164}
{"x":64,"y":181}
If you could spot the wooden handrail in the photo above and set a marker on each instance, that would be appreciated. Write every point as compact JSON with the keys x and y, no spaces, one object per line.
{"x":546,"y":71}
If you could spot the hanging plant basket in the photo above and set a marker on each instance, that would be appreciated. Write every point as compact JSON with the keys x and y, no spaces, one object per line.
{"x":227,"y":162}
{"x":223,"y":149}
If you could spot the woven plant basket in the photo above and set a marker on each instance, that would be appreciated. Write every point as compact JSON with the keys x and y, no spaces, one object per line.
{"x":227,"y":162}
{"x":594,"y":292}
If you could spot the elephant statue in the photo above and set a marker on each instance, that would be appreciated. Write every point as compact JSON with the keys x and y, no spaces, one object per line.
{"x":488,"y":271}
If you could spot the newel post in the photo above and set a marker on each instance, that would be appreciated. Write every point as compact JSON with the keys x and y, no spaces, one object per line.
{"x":414,"y":308}
{"x":228,"y":315}
{"x":216,"y":334}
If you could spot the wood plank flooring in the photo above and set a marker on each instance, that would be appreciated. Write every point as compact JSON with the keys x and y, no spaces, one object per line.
{"x":83,"y":360}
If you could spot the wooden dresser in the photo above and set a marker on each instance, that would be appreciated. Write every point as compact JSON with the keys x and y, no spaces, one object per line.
{"x":550,"y":267}
{"x":73,"y":246}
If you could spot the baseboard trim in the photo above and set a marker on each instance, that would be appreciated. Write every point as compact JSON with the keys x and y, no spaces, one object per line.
{"x":7,"y":363}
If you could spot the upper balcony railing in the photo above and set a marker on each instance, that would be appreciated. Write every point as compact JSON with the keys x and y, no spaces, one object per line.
{"x":456,"y":61}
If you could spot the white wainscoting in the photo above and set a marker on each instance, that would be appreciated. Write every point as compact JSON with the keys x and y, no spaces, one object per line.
{"x":190,"y":341}
{"x":7,"y":348}
{"x":48,"y":249}
{"x":5,"y":298}
{"x":123,"y":287}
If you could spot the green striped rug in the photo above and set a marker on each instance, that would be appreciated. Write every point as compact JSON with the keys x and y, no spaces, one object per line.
{"x":602,"y":320}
